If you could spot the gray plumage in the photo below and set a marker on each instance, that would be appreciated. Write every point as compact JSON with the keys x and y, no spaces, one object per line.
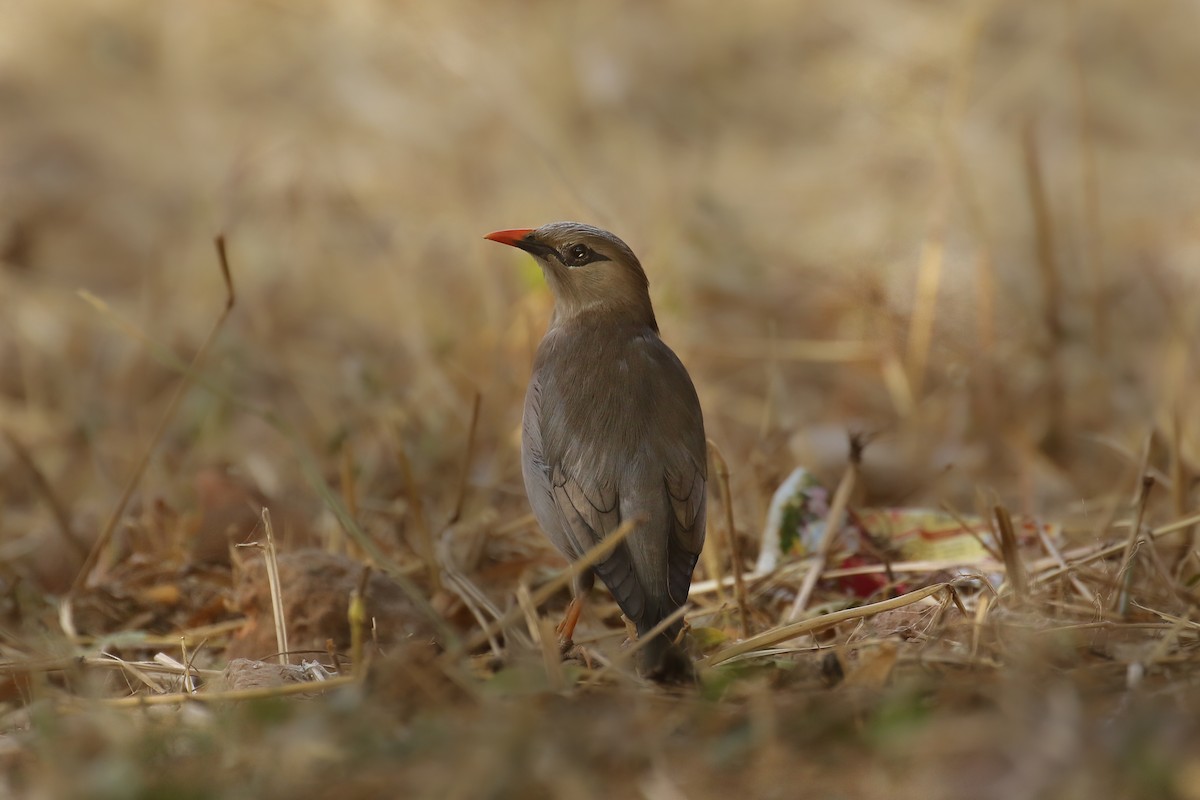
{"x":612,"y":431}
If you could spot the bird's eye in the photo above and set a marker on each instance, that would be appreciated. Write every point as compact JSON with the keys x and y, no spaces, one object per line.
{"x":578,"y":253}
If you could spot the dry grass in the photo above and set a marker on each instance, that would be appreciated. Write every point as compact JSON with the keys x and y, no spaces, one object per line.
{"x":967,"y":232}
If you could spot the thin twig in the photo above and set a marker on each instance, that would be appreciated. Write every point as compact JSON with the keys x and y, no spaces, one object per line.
{"x":786,"y":632}
{"x":42,"y":486}
{"x":1014,"y":567}
{"x":349,"y":487}
{"x":626,"y":655}
{"x":546,"y":639}
{"x":1093,"y":248}
{"x":1110,"y":550}
{"x":1048,"y":270}
{"x":808,"y":350}
{"x":1121,"y":603}
{"x":356,"y":614}
{"x":185,"y":381}
{"x":139,"y":673}
{"x":924,"y":314}
{"x":309,"y":466}
{"x":272,"y":564}
{"x":305,"y":687}
{"x":1057,"y":555}
{"x":424,"y":534}
{"x":475,"y":600}
{"x":188,"y":684}
{"x":546,"y":591}
{"x":461,"y":495}
{"x":981,"y":612}
{"x":973,"y":531}
{"x":731,"y":539}
{"x":833,"y":525}
{"x":515,"y":526}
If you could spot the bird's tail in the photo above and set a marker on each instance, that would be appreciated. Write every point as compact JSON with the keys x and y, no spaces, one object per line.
{"x":663,"y":661}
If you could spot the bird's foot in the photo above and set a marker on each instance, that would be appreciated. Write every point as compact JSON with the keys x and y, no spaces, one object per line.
{"x":576,"y":654}
{"x":586,"y":656}
{"x":566,"y":628}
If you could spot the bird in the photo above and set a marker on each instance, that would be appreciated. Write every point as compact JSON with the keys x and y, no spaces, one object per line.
{"x":612,"y":431}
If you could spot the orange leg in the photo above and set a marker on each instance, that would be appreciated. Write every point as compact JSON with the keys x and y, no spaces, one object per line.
{"x":566,"y":628}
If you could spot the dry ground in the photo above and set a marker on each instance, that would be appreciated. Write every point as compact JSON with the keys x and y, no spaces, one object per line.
{"x":967,"y":230}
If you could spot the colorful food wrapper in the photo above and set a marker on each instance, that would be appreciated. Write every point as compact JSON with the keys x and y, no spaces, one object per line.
{"x":796,"y":524}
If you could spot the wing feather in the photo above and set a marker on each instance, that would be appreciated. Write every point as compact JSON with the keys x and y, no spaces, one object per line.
{"x":588,"y":519}
{"x":595,"y":453}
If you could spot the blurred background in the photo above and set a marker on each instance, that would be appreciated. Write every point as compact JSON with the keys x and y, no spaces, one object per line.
{"x":967,"y":230}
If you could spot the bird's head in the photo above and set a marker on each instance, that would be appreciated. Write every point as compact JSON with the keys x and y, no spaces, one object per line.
{"x":588,"y":269}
